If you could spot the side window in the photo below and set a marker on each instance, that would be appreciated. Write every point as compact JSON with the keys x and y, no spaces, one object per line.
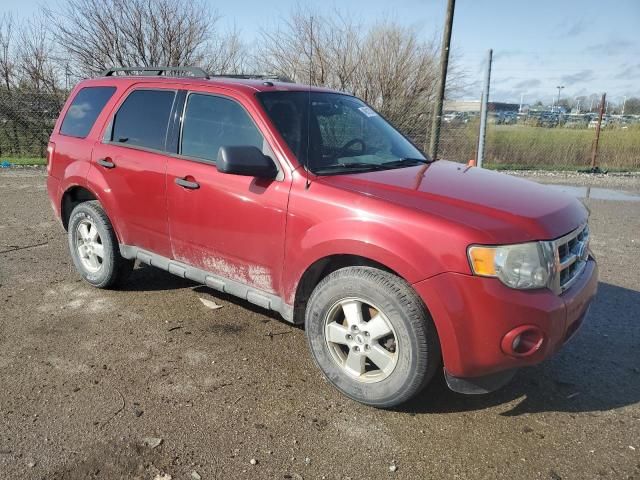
{"x":84,"y":110}
{"x":211,"y":122}
{"x":143,"y":118}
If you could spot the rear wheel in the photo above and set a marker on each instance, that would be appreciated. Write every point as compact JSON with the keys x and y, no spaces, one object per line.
{"x":94,"y":246}
{"x":371,"y":336}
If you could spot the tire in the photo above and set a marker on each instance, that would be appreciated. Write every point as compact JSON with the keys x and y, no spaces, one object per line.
{"x":94,"y":246}
{"x":379,"y":296}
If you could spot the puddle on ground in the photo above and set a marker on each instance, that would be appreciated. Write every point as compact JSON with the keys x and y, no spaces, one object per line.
{"x":598,"y":193}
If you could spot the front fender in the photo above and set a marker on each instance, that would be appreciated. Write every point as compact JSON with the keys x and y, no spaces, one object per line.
{"x":373,"y":240}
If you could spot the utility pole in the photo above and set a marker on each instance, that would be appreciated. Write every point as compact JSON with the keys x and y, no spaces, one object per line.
{"x":594,"y":148}
{"x":442,"y":82}
{"x":624,"y":102}
{"x":484,"y":110}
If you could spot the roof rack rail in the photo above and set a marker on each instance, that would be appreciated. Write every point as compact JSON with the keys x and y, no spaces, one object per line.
{"x":250,"y":76}
{"x":194,"y":71}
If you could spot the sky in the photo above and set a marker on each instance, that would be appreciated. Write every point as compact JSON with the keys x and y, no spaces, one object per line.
{"x":587,"y":46}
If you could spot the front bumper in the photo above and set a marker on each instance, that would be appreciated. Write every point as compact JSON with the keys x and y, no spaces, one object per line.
{"x":473,"y":314}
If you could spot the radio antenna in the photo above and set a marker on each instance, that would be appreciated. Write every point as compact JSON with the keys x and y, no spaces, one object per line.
{"x":308,"y":183}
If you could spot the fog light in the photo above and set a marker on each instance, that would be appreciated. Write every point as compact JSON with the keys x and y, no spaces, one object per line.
{"x":522,"y":341}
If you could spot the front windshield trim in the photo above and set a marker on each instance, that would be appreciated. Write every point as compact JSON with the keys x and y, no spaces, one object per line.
{"x":326,"y":158}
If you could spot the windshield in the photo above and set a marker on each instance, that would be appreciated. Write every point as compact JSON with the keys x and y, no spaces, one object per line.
{"x":342,"y":134}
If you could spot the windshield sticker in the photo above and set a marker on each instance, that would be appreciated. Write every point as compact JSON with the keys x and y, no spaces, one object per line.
{"x":368,"y":112}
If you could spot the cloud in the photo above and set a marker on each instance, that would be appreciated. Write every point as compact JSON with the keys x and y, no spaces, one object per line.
{"x":628,"y":71}
{"x":572,"y":28}
{"x":513,"y":95}
{"x":495,"y":77}
{"x":576,"y":29}
{"x":614,"y":46}
{"x":471,"y":89}
{"x":531,"y":83}
{"x":503,"y":54}
{"x":578,"y":77}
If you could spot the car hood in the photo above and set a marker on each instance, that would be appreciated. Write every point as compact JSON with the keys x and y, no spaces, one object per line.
{"x":500,"y":207}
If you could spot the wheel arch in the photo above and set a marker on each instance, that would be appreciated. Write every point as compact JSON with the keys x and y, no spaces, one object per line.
{"x":322,"y":267}
{"x":73,"y":196}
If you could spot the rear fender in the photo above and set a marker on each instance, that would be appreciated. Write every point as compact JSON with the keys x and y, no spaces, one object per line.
{"x":98,"y":185}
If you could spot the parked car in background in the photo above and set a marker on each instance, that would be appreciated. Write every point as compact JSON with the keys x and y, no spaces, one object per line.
{"x":307,"y":202}
{"x":594,"y":123}
{"x":455,"y":118}
{"x":549,"y":120}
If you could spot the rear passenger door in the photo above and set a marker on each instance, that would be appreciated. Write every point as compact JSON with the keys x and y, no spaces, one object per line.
{"x":131,"y":162}
{"x":229,"y":225}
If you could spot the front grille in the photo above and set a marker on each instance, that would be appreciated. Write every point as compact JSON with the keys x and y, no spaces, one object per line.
{"x":571,"y":256}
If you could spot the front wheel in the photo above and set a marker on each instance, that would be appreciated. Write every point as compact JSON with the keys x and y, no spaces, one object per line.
{"x":371,"y":336}
{"x":94,"y":246}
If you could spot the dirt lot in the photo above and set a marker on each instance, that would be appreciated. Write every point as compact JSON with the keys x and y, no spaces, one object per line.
{"x":87,"y":375}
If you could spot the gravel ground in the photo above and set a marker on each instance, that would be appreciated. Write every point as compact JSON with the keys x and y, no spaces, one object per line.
{"x":624,"y":181}
{"x":92,"y":380}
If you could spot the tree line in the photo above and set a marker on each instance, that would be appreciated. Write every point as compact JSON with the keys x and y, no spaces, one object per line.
{"x":388,"y":65}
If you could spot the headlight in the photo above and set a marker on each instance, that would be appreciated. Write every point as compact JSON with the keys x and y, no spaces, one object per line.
{"x":522,"y":266}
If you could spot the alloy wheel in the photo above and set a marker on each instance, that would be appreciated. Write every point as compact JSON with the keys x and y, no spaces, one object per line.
{"x":89,"y":246}
{"x":361,"y":340}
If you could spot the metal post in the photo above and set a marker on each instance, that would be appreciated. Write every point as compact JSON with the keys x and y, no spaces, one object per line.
{"x":559,"y":87}
{"x":594,"y":149}
{"x":521,"y":102}
{"x":442,"y":82}
{"x":484,"y":110}
{"x":67,"y":75}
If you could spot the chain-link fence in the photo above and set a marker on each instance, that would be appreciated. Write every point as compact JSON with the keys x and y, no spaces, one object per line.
{"x":540,"y":139}
{"x":536,"y":139}
{"x":26,"y":120}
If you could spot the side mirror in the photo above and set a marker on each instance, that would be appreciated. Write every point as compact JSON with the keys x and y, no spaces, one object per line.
{"x":245,"y":160}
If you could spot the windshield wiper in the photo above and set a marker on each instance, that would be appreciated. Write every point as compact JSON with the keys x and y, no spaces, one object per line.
{"x":352,"y":165}
{"x":404,"y":162}
{"x":401,"y":162}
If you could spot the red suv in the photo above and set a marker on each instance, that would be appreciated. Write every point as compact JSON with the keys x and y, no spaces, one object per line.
{"x":307,"y":202}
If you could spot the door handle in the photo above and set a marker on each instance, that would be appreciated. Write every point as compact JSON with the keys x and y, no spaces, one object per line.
{"x":106,"y":163}
{"x":183,"y":182}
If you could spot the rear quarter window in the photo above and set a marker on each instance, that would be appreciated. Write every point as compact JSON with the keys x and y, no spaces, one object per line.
{"x":84,"y":110}
{"x":143,"y":118}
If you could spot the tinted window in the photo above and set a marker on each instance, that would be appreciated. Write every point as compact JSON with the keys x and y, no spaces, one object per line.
{"x":84,"y":110}
{"x":212,"y":122}
{"x":142,"y":119}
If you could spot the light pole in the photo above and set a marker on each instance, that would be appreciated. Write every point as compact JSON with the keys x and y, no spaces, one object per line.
{"x":559,"y":87}
{"x":521,"y":102}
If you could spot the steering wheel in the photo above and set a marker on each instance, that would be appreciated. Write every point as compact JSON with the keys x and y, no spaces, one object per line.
{"x":355,"y":141}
